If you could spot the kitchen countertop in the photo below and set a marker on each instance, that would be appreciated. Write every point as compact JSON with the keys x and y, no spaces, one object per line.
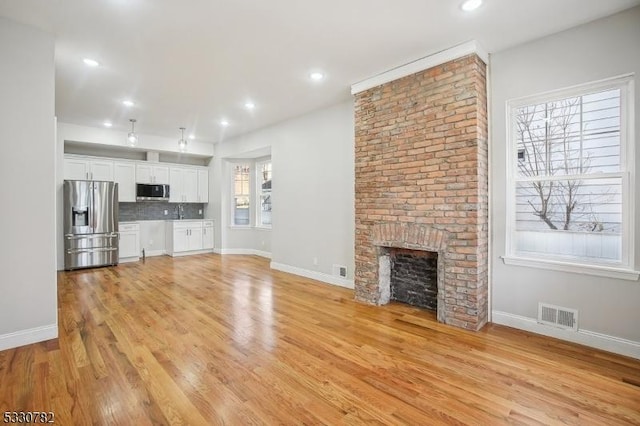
{"x":165,"y":220}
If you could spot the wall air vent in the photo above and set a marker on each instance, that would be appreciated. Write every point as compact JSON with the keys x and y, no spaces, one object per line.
{"x":340,"y":271}
{"x":557,"y":316}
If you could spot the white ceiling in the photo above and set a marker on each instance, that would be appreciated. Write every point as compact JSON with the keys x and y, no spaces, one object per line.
{"x":193,"y":62}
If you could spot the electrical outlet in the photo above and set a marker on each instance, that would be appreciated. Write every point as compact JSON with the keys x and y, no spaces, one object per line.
{"x":166,"y":212}
{"x":315,"y":261}
{"x":199,"y":211}
{"x":263,"y":244}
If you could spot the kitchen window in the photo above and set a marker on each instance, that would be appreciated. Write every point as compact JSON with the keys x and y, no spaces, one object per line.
{"x":240,"y":215}
{"x":263,"y":186}
{"x":570,"y":178}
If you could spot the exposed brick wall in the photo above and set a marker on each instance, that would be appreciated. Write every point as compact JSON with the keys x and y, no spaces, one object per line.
{"x":421,"y":180}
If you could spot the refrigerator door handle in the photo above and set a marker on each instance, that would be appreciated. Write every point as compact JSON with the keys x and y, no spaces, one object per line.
{"x":90,"y":236}
{"x":92,"y":219}
{"x":91,"y":250}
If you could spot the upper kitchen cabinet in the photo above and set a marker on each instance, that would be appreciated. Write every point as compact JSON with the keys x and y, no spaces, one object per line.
{"x":152,"y":173}
{"x":124,"y":173}
{"x":203,"y":186}
{"x":183,"y":184}
{"x":78,"y":168}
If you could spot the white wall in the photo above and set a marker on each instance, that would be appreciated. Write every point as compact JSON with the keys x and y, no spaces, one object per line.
{"x":598,"y":50}
{"x":28,"y":301}
{"x":313,"y":190}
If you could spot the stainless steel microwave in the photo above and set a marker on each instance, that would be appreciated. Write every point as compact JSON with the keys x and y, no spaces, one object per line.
{"x":152,"y":192}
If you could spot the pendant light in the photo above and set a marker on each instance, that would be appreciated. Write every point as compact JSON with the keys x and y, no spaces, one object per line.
{"x":132,"y":137}
{"x":182,"y":143}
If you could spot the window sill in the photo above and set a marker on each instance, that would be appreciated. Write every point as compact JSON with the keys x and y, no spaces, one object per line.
{"x":554,"y":265}
{"x":263,"y":228}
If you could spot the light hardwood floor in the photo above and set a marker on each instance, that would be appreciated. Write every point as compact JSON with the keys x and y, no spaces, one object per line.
{"x":225,"y":340}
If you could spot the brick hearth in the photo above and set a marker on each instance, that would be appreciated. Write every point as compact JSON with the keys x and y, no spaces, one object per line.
{"x":421,"y":183}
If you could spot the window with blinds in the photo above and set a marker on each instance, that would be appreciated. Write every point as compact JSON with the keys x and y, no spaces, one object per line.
{"x":569,"y":166}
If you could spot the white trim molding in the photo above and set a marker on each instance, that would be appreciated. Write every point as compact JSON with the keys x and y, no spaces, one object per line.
{"x":422,"y":64}
{"x":584,"y":337}
{"x":29,"y":336}
{"x":247,"y":252}
{"x":576,"y":268}
{"x":314,"y":275}
{"x":189,"y":253}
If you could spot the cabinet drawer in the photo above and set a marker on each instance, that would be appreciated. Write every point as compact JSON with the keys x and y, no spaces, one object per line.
{"x":128,"y":227}
{"x":207,"y":223}
{"x":187,"y":225}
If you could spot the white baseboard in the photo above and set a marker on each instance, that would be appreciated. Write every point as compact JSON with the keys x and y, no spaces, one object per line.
{"x":584,"y":337}
{"x":250,"y":252}
{"x":29,"y":336}
{"x":189,"y":253}
{"x":314,"y":275}
{"x":152,"y":253}
{"x":128,"y":259}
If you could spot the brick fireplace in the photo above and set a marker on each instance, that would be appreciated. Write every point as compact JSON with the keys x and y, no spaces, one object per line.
{"x":421,"y":184}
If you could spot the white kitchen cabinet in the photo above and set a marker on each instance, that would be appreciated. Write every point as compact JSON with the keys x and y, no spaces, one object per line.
{"x":190,"y":186}
{"x":207,"y":235}
{"x":180,"y":241}
{"x":188,"y":237}
{"x":176,"y":181}
{"x":78,"y":168}
{"x":129,"y":243}
{"x":152,"y":173}
{"x":124,"y":173}
{"x":203,"y":186}
{"x":194,"y":241}
{"x":185,"y":185}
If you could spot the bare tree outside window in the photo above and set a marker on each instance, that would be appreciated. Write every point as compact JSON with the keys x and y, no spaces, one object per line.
{"x":562,"y":145}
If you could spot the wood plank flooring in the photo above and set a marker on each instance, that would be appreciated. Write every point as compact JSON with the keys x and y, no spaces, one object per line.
{"x":212,"y":339}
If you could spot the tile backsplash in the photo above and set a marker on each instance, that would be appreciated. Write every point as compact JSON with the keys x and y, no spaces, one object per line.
{"x":154,"y":210}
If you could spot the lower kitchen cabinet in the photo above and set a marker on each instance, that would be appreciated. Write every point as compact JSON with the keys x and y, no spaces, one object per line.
{"x":129,"y":243}
{"x":188,"y":237}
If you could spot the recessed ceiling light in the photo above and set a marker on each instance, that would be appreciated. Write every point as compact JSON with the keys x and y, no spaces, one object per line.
{"x":224,"y":123}
{"x":316,"y":76}
{"x":128,"y":103}
{"x":90,"y":62}
{"x":250,"y":105}
{"x":107,"y":124}
{"x":470,"y":5}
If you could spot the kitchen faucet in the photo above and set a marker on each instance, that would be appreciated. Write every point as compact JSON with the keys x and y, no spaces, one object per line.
{"x":180,"y":211}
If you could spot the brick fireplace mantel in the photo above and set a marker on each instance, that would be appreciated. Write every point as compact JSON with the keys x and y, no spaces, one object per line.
{"x":421,"y":183}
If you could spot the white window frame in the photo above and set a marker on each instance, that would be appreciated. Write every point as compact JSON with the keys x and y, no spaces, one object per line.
{"x":250,"y":165}
{"x":259,"y":193}
{"x":623,"y":269}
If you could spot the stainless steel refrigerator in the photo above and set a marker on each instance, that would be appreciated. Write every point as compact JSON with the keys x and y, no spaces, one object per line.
{"x":90,"y":224}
